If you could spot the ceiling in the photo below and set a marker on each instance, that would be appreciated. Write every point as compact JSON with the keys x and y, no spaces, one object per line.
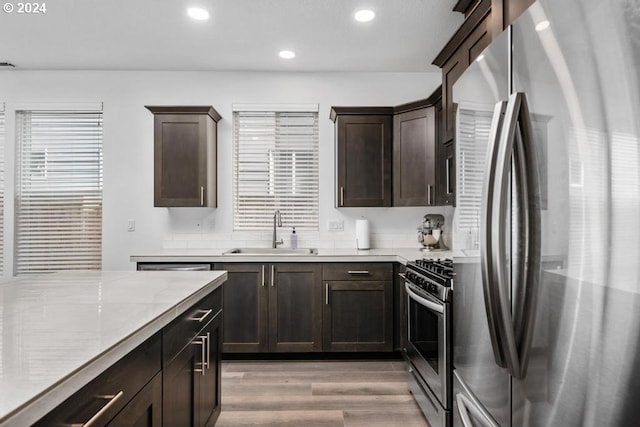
{"x":247,"y":35}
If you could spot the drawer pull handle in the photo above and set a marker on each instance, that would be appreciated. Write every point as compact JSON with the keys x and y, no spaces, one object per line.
{"x":208,"y":350}
{"x":263,"y":281}
{"x":201,"y":196}
{"x":92,"y":421}
{"x":273,"y":275}
{"x":358,"y":271}
{"x":326,"y":293}
{"x":204,"y":316}
{"x":204,"y":364}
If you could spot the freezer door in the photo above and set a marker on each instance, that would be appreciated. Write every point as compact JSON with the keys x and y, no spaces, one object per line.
{"x":467,"y":410}
{"x":578,"y":62}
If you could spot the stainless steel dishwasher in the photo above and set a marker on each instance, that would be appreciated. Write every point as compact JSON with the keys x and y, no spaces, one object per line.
{"x":183,"y":266}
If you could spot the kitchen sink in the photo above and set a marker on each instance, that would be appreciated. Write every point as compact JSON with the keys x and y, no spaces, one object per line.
{"x":271,"y":251}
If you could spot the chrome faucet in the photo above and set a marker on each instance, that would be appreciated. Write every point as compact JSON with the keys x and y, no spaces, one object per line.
{"x":277,"y":219}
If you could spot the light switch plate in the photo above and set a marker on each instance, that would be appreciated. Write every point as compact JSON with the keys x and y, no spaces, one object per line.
{"x":131,"y":225}
{"x":336,"y":226}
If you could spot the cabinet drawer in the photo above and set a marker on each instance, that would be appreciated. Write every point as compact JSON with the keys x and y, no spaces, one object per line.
{"x":357,"y":271}
{"x":182,"y":330}
{"x":111,"y":391}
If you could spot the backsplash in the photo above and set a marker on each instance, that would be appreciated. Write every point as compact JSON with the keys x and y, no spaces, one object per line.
{"x":263,"y":239}
{"x":390,"y":228}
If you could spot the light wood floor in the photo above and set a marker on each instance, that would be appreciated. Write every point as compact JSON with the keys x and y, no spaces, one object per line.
{"x":317,"y":393}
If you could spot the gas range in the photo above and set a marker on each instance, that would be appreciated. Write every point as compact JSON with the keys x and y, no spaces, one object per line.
{"x":434,"y":277}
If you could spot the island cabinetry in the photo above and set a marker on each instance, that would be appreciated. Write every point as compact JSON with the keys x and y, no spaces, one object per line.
{"x":357,"y":312}
{"x":191,"y":361}
{"x":272,"y":307}
{"x":145,"y":409}
{"x":116,"y":390}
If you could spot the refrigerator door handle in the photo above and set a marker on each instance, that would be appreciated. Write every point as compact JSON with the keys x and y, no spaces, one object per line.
{"x":491,"y":298}
{"x":516,"y":142}
{"x":529,"y":229}
{"x":468,"y":407}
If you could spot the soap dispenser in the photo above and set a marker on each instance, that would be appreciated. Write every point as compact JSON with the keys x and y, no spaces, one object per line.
{"x":294,"y":239}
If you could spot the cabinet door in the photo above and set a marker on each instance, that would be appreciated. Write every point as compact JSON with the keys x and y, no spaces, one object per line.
{"x":445,"y":163}
{"x":413,"y":158}
{"x":209,"y":383}
{"x":245,"y":302}
{"x":180,"y":163}
{"x":446,"y":182}
{"x":358,"y":316}
{"x":295,"y":314}
{"x":451,"y":72}
{"x":179,"y":392}
{"x":145,"y":409}
{"x":364,"y":160}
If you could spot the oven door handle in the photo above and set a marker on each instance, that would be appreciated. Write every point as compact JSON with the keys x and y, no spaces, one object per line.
{"x":439,"y":308}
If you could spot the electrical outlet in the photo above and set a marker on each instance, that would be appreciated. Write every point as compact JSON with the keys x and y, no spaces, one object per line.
{"x":131,"y":225}
{"x":336,"y":225}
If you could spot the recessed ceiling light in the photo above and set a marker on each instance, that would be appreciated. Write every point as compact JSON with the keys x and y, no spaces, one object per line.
{"x":542,"y":25}
{"x":364,"y":15}
{"x":287,"y":54}
{"x":480,"y":58}
{"x":198,"y":13}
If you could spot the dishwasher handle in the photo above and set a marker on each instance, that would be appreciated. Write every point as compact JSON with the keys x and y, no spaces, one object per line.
{"x":174,"y":267}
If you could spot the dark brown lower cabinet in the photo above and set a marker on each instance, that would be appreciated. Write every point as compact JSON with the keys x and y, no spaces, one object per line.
{"x":245,"y":305}
{"x":272,"y":307}
{"x":191,"y":387}
{"x":358,"y":316}
{"x":172,"y":379}
{"x":145,"y":409}
{"x":115,"y":390}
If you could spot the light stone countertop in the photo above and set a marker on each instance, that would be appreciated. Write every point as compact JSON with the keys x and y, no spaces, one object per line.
{"x":401,"y":255}
{"x":59,"y":331}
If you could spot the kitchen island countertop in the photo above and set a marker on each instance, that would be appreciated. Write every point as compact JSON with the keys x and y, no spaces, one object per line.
{"x":59,"y":331}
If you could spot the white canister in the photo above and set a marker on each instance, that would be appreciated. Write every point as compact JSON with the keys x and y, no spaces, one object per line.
{"x":362,"y":234}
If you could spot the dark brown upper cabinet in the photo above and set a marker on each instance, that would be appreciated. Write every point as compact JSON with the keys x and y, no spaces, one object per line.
{"x":414,"y":175}
{"x":445,"y":161}
{"x":363,"y":155}
{"x":185,"y":156}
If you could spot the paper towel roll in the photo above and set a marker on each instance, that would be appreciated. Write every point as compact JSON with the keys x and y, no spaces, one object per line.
{"x":362,"y":234}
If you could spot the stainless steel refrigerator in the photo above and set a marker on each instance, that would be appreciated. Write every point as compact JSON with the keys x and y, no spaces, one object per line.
{"x":546,"y":301}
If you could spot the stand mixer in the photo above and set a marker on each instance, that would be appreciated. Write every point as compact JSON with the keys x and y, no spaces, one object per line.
{"x":430,"y":233}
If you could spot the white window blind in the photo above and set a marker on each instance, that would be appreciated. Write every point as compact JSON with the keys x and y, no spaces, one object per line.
{"x":473,"y":138}
{"x":275,"y":167}
{"x":58,"y":191}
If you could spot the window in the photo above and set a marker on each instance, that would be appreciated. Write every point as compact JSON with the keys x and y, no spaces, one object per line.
{"x":275,"y":167}
{"x":58,"y":191}
{"x":474,"y":127}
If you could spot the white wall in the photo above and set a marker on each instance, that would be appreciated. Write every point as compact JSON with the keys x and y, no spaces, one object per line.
{"x":128,"y":150}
